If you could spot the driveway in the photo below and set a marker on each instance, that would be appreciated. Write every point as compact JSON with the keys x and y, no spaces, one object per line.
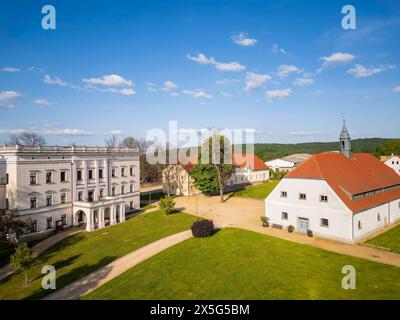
{"x":245,"y":213}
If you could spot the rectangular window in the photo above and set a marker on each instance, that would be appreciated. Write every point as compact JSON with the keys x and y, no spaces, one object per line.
{"x":122,"y":172}
{"x":64,"y":219}
{"x":113,"y":191}
{"x":33,"y":226}
{"x":379,"y":217}
{"x":113,"y":173}
{"x":90,"y":174}
{"x":7,"y":204}
{"x":131,"y":205}
{"x":49,"y":223}
{"x":285,"y":215}
{"x":323,"y":198}
{"x":79,"y":175}
{"x":49,"y":201}
{"x":101,"y":193}
{"x":283,"y":194}
{"x":131,"y":171}
{"x":33,"y":179}
{"x":33,"y":202}
{"x":62,"y":176}
{"x":49,"y":177}
{"x":131,"y":188}
{"x":6,"y":178}
{"x":80,"y":195}
{"x":302,"y":196}
{"x":122,"y":189}
{"x":63,"y":198}
{"x":100,"y":173}
{"x":359,"y":225}
{"x":324,"y":223}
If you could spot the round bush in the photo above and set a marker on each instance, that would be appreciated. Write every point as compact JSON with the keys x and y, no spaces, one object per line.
{"x":202,"y":228}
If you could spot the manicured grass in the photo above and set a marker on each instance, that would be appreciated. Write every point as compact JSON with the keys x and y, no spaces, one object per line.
{"x":240,"y":264}
{"x":147,"y":206}
{"x":258,"y":191}
{"x":389,"y":239}
{"x":85,"y":252}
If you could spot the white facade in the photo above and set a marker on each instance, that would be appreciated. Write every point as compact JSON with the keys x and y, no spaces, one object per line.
{"x":53,"y":186}
{"x":394,"y":163}
{"x":323,"y":212}
{"x":279,"y":164}
{"x":246,"y":176}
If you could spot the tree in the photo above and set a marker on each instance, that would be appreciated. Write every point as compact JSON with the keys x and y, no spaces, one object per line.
{"x":111,"y":142}
{"x":11,"y":228}
{"x":22,"y":260}
{"x":212,"y":177}
{"x":167,"y":205}
{"x":26,"y":139}
{"x":168,"y":174}
{"x":389,"y":147}
{"x":141,"y":144}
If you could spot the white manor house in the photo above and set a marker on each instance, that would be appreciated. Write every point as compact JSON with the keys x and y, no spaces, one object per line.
{"x":57,"y":187}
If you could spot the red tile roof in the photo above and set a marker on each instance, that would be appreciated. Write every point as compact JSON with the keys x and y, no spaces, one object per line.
{"x":244,"y":160}
{"x":348,"y":177}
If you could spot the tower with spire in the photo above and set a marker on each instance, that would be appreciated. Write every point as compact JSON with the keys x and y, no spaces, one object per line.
{"x":345,"y":143}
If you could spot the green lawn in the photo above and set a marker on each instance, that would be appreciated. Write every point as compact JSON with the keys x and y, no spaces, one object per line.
{"x":240,"y":264}
{"x":389,"y":239}
{"x":258,"y":191}
{"x":85,"y":252}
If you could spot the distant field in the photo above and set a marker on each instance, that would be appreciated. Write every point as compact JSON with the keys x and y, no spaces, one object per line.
{"x":240,"y":264}
{"x":389,"y":239}
{"x":258,"y":191}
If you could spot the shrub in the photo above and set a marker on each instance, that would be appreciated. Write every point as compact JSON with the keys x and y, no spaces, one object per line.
{"x":202,"y":228}
{"x":167,"y":205}
{"x":290,"y":229}
{"x":22,"y":260}
{"x":310,"y":233}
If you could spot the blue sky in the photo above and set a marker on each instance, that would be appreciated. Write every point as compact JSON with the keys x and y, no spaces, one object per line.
{"x":285,"y":68}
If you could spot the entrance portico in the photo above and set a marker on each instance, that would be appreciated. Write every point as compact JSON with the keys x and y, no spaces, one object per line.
{"x":96,"y":213}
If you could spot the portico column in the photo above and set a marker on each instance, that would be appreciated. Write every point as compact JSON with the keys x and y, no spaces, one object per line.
{"x":90,"y":220}
{"x":122,"y":213}
{"x":113,"y":214}
{"x":101,"y":217}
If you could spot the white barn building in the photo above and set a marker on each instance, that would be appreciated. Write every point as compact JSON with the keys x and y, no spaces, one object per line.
{"x":394,"y":163}
{"x":57,"y":187}
{"x":340,"y":196}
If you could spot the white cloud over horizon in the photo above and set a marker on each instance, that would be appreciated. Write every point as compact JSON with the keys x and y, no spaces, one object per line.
{"x":255,"y":81}
{"x":221,"y":66}
{"x":198,"y":94}
{"x":10,"y":69}
{"x":278,"y":94}
{"x":113,"y":80}
{"x":243,"y":40}
{"x":360,"y":71}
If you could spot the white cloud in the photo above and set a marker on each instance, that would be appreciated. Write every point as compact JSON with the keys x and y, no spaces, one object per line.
{"x":303,"y":81}
{"x":43,"y":102}
{"x":113,"y":80}
{"x":226,"y":94}
{"x":222,"y":66}
{"x":8,"y":95}
{"x":225,"y":81}
{"x":198,"y":94}
{"x":277,"y":49}
{"x":12,"y":131}
{"x":169,"y":85}
{"x":337,"y":58}
{"x":56,"y":80}
{"x":396,"y":89}
{"x":242,"y":40}
{"x":284,"y":70}
{"x":65,"y":132}
{"x":10,"y":69}
{"x":360,"y":71}
{"x":124,"y":91}
{"x":278,"y":94}
{"x":174,"y":94}
{"x":255,"y":80}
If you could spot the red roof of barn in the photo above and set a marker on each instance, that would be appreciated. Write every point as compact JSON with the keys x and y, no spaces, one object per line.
{"x":349,"y":177}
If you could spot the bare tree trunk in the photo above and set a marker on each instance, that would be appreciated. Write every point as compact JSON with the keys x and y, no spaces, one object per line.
{"x":26,"y":278}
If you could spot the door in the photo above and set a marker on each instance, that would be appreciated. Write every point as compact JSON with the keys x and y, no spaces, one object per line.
{"x":303,"y":225}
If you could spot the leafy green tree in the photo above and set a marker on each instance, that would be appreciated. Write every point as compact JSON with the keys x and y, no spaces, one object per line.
{"x":211,"y":177}
{"x":22,"y":259}
{"x":167,"y":204}
{"x":11,"y":228}
{"x":389,"y":147}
